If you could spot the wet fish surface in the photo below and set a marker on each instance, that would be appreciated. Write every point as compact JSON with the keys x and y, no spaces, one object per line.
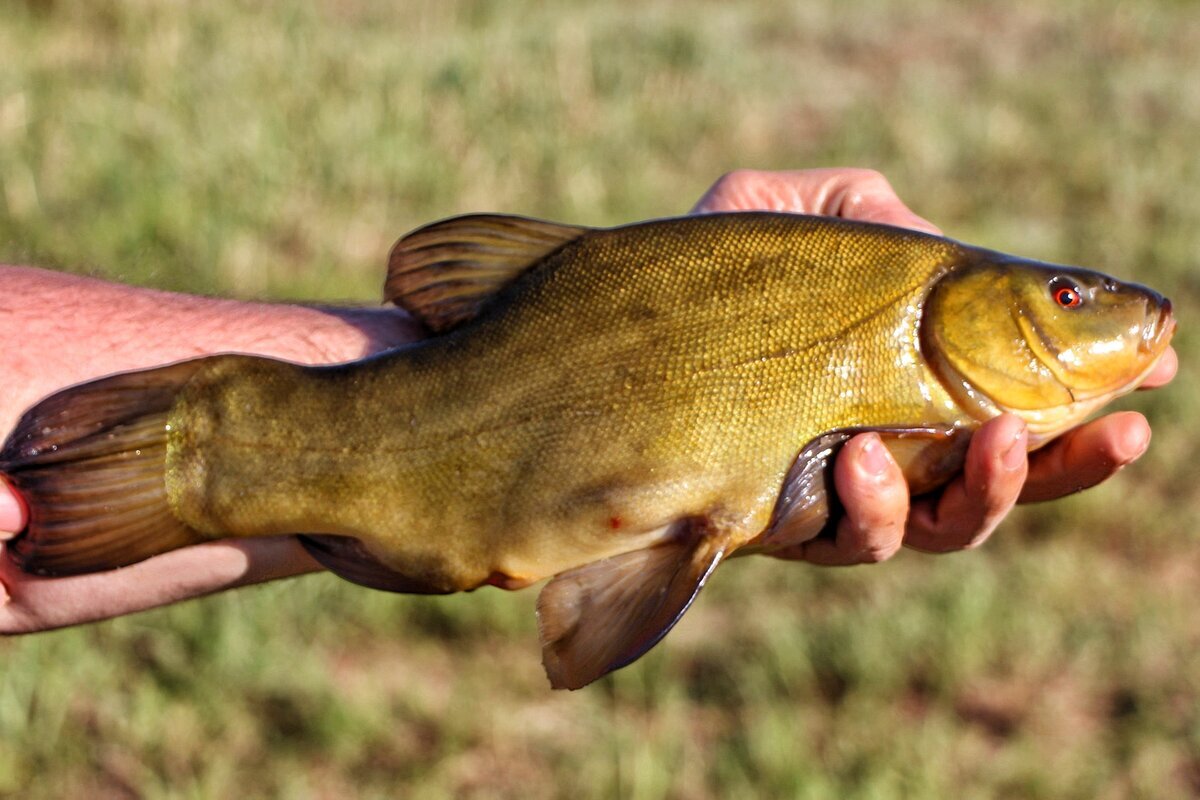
{"x":619,"y":410}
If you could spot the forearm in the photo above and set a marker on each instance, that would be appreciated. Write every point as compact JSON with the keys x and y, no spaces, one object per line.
{"x":58,"y":329}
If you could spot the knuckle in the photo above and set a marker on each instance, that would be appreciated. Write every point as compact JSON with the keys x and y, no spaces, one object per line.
{"x":877,"y":180}
{"x":982,"y":531}
{"x":871,"y":541}
{"x":948,"y":545}
{"x":876,"y":555}
{"x":851,"y":202}
{"x":864,"y":177}
{"x":994,"y":491}
{"x":969,"y":536}
{"x":929,"y":546}
{"x":736,"y":177}
{"x":953,"y":532}
{"x":996,"y":503}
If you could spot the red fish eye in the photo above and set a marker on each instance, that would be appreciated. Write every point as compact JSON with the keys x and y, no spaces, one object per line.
{"x":1067,"y":297}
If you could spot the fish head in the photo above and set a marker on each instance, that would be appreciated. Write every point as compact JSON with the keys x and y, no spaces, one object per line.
{"x":1049,"y":343}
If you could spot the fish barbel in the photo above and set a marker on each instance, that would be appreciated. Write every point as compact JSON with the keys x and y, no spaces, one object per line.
{"x":617,"y":409}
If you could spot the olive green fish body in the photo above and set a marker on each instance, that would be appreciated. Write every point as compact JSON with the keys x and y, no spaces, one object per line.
{"x":640,"y":376}
{"x":622,"y":409}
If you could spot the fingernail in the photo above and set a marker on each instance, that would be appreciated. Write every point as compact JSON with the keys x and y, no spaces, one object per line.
{"x":1014,"y":455}
{"x":875,"y":457}
{"x":12,"y":513}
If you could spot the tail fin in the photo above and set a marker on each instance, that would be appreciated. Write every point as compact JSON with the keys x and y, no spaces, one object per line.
{"x":90,"y":463}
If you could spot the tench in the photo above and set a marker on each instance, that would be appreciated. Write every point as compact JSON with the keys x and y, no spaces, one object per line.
{"x":618,"y":409}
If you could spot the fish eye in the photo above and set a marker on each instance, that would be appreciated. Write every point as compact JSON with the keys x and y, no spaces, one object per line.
{"x":1065,"y":293}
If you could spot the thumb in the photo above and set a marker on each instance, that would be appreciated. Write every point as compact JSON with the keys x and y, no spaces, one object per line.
{"x":12,"y":511}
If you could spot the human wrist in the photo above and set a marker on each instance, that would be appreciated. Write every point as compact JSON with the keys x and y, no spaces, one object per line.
{"x":349,"y":333}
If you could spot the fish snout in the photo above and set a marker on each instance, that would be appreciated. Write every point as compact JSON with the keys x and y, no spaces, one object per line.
{"x":1159,"y":326}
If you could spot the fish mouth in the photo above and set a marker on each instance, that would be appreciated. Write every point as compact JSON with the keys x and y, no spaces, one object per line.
{"x":1158,"y":331}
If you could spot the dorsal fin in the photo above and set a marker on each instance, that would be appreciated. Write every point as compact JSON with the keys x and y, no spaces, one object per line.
{"x":444,"y":273}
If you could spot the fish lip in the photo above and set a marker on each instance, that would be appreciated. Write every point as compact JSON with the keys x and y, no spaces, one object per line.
{"x":1159,"y":330}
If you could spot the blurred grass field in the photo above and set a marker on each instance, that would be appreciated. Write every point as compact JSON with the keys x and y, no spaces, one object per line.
{"x":276,"y":150}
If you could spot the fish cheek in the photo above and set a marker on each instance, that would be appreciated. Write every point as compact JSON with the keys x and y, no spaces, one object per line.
{"x":1092,"y":348}
{"x":991,"y":356}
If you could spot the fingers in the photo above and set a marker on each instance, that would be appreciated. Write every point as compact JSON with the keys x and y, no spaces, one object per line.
{"x":872,"y":489}
{"x":861,"y":194}
{"x":1085,"y":456}
{"x":866,"y":195}
{"x":1164,"y":370}
{"x":12,"y":511}
{"x":29,"y":603}
{"x":965,"y":513}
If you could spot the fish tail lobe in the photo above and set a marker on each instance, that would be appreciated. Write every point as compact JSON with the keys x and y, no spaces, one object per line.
{"x":90,"y":465}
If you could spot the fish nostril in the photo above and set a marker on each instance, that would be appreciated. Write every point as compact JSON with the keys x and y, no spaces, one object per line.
{"x":1110,"y":285}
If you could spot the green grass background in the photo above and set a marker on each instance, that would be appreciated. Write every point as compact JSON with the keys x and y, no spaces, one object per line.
{"x":277,"y":149}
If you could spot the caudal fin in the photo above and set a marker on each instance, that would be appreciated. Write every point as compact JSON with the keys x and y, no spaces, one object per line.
{"x":90,"y":462}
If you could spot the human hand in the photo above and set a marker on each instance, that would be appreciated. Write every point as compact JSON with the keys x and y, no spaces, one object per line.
{"x":149,"y":328}
{"x":877,"y":500}
{"x":30,"y":603}
{"x":879,"y":514}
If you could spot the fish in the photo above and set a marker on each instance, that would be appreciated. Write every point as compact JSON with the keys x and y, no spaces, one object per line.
{"x":618,"y":410}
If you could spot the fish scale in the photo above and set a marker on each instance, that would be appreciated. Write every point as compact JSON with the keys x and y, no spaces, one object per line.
{"x":617,"y":409}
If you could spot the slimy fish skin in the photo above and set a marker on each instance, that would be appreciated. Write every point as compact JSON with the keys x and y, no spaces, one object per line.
{"x":619,"y":410}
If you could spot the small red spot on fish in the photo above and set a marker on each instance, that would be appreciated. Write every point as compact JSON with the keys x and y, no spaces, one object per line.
{"x":615,"y":523}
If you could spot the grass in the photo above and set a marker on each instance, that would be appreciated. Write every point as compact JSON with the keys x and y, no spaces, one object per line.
{"x":277,"y":150}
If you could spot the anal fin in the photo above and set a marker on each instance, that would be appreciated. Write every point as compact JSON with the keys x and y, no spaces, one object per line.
{"x":604,"y":615}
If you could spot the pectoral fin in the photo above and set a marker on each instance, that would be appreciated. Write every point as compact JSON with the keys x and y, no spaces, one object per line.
{"x":807,"y":505}
{"x":805,"y":501}
{"x":602,"y":616}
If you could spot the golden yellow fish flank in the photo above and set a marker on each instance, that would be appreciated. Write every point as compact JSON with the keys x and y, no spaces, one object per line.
{"x":621,"y":409}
